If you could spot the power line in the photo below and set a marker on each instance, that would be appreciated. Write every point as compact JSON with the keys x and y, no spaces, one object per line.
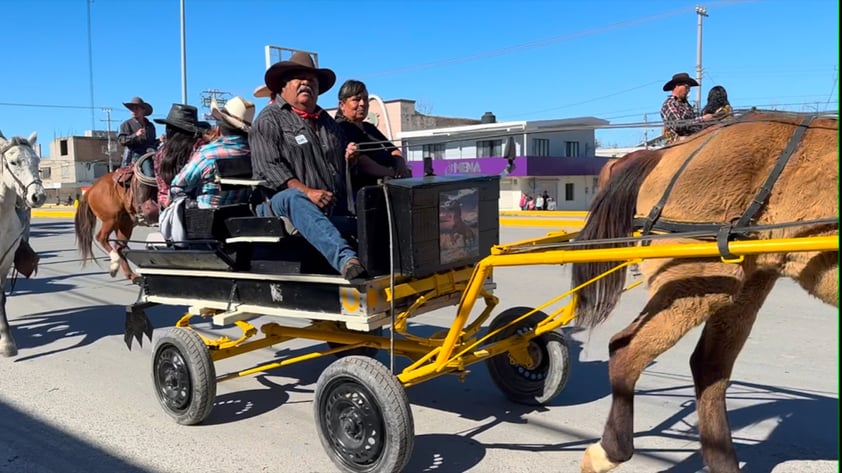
{"x":545,"y":42}
{"x":596,"y":99}
{"x":49,"y":105}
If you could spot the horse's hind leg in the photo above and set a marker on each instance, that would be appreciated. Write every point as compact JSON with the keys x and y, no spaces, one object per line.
{"x":684,"y":295}
{"x":124,"y":234}
{"x":8,"y":347}
{"x":109,"y":226}
{"x":713,"y":359}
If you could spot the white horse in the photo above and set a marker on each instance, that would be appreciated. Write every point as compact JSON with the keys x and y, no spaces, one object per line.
{"x":20,"y":182}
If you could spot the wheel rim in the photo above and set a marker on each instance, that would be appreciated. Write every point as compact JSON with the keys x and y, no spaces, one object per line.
{"x":353,"y":423}
{"x":540,"y":361}
{"x":172,"y":378}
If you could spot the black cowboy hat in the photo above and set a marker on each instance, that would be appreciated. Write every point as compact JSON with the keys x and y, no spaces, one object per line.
{"x":183,"y":117}
{"x":680,"y":79}
{"x":277,"y":75}
{"x":138,"y":102}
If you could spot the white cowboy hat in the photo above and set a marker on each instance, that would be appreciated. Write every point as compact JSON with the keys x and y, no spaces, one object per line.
{"x":262,"y":91}
{"x":237,"y":112}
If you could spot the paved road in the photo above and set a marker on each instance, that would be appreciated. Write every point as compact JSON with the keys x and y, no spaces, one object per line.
{"x":75,"y":399}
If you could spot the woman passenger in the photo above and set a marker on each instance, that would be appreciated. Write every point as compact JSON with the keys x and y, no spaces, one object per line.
{"x":378,"y":157}
{"x":718,"y":105}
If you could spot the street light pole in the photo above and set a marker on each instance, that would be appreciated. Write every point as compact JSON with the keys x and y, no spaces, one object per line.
{"x":701,"y":12}
{"x":183,"y":58}
{"x":91,"y":65}
{"x":108,"y":148}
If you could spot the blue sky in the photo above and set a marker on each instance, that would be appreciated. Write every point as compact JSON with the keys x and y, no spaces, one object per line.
{"x":520,"y":60}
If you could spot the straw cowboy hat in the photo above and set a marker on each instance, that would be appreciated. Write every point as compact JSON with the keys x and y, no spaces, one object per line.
{"x":237,"y":112}
{"x":183,"y":117}
{"x":262,"y":91}
{"x":138,"y":102}
{"x":277,"y":75}
{"x":680,"y":79}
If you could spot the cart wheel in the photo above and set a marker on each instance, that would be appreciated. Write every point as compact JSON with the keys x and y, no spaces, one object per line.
{"x":546,"y":377}
{"x":363,"y":416}
{"x":184,"y":376}
{"x":370,"y":352}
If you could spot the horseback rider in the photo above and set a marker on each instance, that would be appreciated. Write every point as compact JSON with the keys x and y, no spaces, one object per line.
{"x":137,"y":134}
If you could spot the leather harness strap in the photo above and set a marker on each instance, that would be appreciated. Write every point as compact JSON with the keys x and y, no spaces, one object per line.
{"x":655,"y":213}
{"x":724,"y":232}
{"x":766,"y":189}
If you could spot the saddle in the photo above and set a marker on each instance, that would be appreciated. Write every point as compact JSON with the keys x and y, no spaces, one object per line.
{"x":138,"y":193}
{"x":124,"y":175}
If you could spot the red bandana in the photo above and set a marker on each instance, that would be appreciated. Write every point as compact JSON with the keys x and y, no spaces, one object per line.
{"x":307,"y":115}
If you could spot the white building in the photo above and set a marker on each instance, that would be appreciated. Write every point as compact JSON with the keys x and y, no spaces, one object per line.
{"x":556,"y":156}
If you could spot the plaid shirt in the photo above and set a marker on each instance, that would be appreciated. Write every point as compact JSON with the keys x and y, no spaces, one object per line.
{"x":679,"y":118}
{"x":197,"y":178}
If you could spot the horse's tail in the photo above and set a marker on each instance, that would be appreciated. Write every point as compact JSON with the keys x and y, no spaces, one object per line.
{"x":84,"y":222}
{"x":611,"y":215}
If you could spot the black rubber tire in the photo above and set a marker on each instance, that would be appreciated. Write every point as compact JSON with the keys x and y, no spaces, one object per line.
{"x":184,"y":376}
{"x":370,"y":352}
{"x":363,"y":416}
{"x":537,"y":386}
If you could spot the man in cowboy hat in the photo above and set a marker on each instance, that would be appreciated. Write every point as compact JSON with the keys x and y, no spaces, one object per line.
{"x":301,"y":154}
{"x":677,"y":114}
{"x":137,"y":134}
{"x":198,"y":177}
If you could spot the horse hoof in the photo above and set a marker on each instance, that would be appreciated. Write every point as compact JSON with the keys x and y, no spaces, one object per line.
{"x":113,"y":268}
{"x":9,"y":351}
{"x":595,"y":460}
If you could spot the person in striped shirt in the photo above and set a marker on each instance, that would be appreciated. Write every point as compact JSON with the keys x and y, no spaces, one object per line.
{"x":303,"y":158}
{"x":677,"y":114}
{"x":197,"y":178}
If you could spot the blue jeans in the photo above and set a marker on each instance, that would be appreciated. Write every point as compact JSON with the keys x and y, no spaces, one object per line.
{"x":313,"y":225}
{"x":146,"y":168}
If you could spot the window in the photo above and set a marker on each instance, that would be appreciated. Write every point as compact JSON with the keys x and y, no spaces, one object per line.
{"x":540,"y":147}
{"x":45,"y":173}
{"x":568,"y":191}
{"x":489,"y":148}
{"x":100,"y":169}
{"x":571,"y":149}
{"x":62,"y":147}
{"x":435,"y":151}
{"x":65,"y":171}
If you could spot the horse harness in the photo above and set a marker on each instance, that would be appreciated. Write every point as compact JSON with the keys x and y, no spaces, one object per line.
{"x":739,"y":227}
{"x":17,"y":141}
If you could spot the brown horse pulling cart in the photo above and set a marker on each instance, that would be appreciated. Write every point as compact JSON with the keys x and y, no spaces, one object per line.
{"x":714,"y":222}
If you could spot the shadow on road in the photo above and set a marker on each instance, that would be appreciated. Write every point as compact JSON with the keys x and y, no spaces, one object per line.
{"x":31,"y":446}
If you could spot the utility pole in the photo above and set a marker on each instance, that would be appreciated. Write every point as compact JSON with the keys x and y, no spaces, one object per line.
{"x":645,"y":132}
{"x":210,"y":94}
{"x":701,"y":12}
{"x":90,"y":64}
{"x":183,"y":58}
{"x":109,"y":150}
